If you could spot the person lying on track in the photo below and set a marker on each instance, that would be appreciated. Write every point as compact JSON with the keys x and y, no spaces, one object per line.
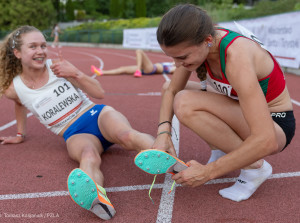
{"x":53,"y":92}
{"x":143,"y":66}
{"x":249,"y":119}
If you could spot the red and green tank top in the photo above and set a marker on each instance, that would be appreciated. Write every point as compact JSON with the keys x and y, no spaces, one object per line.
{"x":271,"y":85}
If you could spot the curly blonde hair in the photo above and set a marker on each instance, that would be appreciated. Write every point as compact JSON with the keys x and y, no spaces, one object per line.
{"x":10,"y":65}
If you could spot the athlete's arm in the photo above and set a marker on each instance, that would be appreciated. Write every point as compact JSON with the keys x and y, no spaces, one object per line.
{"x":242,"y":72}
{"x":178,"y":82}
{"x":21,"y":117}
{"x":86,"y":83}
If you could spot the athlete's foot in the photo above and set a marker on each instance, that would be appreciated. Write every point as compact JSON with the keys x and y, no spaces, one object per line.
{"x":137,"y":73}
{"x":247,"y":183}
{"x":102,"y":206}
{"x":88,"y":195}
{"x":96,"y":70}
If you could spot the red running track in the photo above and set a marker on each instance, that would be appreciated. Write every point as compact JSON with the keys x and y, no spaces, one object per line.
{"x":34,"y":174}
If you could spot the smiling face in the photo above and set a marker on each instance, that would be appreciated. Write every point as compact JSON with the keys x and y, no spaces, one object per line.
{"x":33,"y":51}
{"x":187,"y":55}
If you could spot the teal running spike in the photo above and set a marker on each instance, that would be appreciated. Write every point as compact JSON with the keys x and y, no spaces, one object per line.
{"x":89,"y":195}
{"x":158,"y":162}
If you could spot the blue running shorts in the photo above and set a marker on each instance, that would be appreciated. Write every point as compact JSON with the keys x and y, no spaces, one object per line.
{"x":152,"y":72}
{"x":88,"y":123}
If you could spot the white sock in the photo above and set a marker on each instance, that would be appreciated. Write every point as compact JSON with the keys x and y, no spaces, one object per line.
{"x":247,"y":183}
{"x":215,"y":154}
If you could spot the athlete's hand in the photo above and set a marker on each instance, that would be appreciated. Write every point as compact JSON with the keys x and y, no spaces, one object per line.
{"x":11,"y":140}
{"x":164,"y":142}
{"x":195,"y":175}
{"x":64,"y":69}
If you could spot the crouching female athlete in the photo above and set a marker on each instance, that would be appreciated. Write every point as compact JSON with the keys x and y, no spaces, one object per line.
{"x":249,"y":118}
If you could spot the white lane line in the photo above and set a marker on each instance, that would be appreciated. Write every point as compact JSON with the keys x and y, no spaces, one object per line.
{"x":165,"y":210}
{"x":135,"y":188}
{"x":66,"y":193}
{"x":12,"y":123}
{"x":33,"y":195}
{"x":91,"y":55}
{"x":139,"y":94}
{"x":295,"y":102}
{"x":149,"y":94}
{"x":167,"y":200}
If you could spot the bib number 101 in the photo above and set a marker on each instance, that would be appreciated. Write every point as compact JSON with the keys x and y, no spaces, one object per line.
{"x":61,"y":89}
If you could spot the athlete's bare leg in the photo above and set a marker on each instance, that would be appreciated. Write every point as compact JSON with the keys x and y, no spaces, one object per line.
{"x":121,"y":70}
{"x":143,"y":62}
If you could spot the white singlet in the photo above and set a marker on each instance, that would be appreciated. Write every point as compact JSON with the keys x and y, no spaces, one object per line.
{"x":56,"y":103}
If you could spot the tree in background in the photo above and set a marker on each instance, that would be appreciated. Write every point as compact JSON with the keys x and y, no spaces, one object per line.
{"x":44,"y":13}
{"x":128,"y":8}
{"x":56,"y":4}
{"x":70,"y":10}
{"x":158,"y":7}
{"x":140,"y":8}
{"x":103,"y":7}
{"x":115,"y":9}
{"x":14,"y":13}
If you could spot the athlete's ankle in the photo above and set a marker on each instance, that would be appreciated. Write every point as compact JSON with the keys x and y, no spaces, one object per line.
{"x":258,"y":164}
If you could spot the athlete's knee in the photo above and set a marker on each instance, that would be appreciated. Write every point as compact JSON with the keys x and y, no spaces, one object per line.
{"x":91,"y":155}
{"x":181,"y":105}
{"x":125,"y":136}
{"x":138,"y":51}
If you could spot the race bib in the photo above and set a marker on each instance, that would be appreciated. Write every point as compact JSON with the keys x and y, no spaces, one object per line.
{"x":60,"y":106}
{"x":222,"y":88}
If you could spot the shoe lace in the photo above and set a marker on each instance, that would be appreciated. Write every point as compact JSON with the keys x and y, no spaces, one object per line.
{"x":151,"y":189}
{"x":153,"y":185}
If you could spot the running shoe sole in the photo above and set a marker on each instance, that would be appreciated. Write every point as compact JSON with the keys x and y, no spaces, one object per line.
{"x":84,"y":192}
{"x":158,"y":162}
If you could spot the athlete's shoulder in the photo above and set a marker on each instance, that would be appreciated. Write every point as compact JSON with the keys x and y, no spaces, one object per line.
{"x":244,"y":46}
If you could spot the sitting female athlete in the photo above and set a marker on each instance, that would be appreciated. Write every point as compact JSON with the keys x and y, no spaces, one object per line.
{"x":143,"y":66}
{"x":54,"y":94}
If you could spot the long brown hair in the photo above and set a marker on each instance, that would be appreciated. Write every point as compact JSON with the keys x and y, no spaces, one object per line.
{"x":10,"y":65}
{"x":185,"y":23}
